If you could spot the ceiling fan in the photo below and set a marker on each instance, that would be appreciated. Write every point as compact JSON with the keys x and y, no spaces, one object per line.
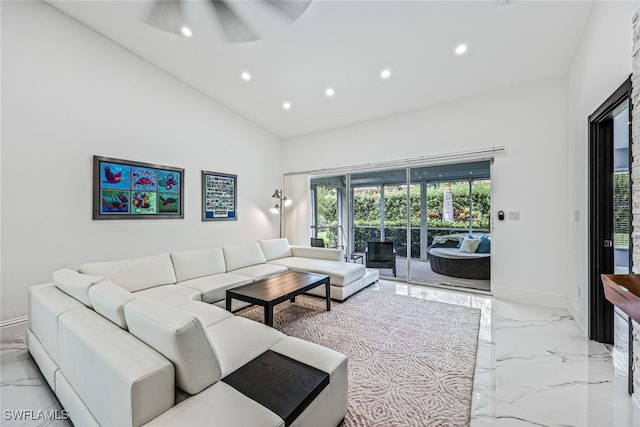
{"x":235,"y":17}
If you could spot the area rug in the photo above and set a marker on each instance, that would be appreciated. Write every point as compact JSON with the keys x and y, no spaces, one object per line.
{"x":411,"y":361}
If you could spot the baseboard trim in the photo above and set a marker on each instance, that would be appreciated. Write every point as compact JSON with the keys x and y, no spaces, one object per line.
{"x":13,"y":328}
{"x":531,"y":297}
{"x":581,"y":321}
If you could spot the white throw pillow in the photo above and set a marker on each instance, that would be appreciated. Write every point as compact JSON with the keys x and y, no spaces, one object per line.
{"x":469,"y":245}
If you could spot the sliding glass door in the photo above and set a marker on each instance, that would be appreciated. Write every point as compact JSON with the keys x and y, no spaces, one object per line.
{"x":409,"y":207}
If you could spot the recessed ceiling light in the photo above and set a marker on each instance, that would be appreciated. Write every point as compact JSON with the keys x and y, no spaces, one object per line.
{"x":246,"y":76}
{"x":286,"y":105}
{"x":461,"y":49}
{"x":329,"y":92}
{"x":385,"y":74}
{"x":186,"y":31}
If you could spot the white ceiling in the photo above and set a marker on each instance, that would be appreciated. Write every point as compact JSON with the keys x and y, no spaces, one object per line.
{"x":345,"y":44}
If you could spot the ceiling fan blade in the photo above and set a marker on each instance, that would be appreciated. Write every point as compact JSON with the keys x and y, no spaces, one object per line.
{"x":166,"y":15}
{"x":289,"y":9}
{"x":234,"y":29}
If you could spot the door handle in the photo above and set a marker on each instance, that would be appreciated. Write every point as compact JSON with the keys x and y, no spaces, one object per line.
{"x":608,"y":243}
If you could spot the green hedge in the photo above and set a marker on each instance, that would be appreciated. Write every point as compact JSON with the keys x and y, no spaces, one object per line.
{"x":366,"y":207}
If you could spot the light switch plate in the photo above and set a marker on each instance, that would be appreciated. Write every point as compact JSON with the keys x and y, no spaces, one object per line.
{"x":514,"y":215}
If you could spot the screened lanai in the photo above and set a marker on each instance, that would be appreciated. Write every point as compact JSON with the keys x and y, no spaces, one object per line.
{"x":408,"y":206}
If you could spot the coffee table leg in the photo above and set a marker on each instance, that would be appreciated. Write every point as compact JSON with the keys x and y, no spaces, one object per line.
{"x":328,"y":288}
{"x":268,"y":315}
{"x":228,"y":304}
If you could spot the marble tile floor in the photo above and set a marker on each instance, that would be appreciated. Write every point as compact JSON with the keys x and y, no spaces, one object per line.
{"x":534,"y":368}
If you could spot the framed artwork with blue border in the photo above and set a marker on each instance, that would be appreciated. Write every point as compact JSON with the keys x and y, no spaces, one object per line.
{"x":219,"y":196}
{"x":124,"y":189}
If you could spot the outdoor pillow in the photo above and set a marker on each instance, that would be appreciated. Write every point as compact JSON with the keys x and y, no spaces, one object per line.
{"x":470,"y":236}
{"x":469,"y":245}
{"x":485,"y":245}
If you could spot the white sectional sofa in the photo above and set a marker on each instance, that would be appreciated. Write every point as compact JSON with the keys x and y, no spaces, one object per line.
{"x":142,"y":341}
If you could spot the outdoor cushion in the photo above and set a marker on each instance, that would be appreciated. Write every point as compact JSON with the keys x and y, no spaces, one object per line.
{"x":485,"y":245}
{"x":469,"y":245}
{"x":454,"y":253}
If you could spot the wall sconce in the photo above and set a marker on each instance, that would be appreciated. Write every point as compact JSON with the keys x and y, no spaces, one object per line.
{"x":277,"y":208}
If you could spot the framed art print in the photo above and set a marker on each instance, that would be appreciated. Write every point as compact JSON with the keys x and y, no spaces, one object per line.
{"x":219,"y":196}
{"x":124,"y":189}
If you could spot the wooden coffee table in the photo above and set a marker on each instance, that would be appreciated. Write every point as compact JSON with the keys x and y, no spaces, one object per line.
{"x":274,"y":290}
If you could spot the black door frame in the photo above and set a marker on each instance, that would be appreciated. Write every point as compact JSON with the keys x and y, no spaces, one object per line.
{"x":601,"y":210}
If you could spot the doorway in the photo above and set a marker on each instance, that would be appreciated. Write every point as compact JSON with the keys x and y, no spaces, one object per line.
{"x":610,"y":246}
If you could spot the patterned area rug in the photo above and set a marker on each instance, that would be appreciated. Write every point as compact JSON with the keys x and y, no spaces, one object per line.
{"x":411,"y":361}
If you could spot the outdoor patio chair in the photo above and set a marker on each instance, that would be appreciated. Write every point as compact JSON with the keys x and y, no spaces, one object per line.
{"x":381,"y":255}
{"x":317,"y":243}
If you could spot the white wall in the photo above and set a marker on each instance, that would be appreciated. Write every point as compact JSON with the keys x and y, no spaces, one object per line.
{"x":67,"y":94}
{"x":529,"y":256}
{"x":602,"y":63}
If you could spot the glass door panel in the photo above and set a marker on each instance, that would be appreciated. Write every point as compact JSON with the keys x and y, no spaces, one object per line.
{"x":447,"y":201}
{"x":329,"y":212}
{"x":621,"y":191}
{"x":380,"y":213}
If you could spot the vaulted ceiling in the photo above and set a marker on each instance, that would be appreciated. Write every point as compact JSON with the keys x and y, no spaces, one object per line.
{"x":344,"y":45}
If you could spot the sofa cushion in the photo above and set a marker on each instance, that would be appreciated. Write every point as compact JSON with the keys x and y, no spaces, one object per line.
{"x":237,"y":340}
{"x":170,"y":294}
{"x":193,"y":264}
{"x":214,"y":288}
{"x":330,"y":254}
{"x":312,"y":354}
{"x":75,"y":284}
{"x":46,"y":305}
{"x":239,"y":256}
{"x":220,"y":405}
{"x":340,"y":273}
{"x":207,"y":314}
{"x":261,"y":271}
{"x":74,"y":330}
{"x":134,"y":274}
{"x":179,"y":336}
{"x":109,"y":301}
{"x":275,"y":248}
{"x":127,"y":383}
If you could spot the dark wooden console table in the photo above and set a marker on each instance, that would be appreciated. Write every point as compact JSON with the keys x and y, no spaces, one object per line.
{"x":277,"y":289}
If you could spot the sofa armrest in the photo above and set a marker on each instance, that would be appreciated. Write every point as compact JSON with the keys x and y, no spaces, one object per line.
{"x":318,"y":253}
